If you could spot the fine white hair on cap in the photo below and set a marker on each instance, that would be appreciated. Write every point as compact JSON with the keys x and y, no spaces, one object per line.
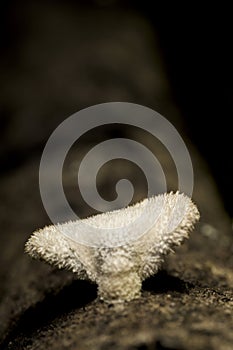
{"x":118,"y":264}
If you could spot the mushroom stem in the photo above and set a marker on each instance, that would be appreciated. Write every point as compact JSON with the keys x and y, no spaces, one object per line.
{"x":117,"y":288}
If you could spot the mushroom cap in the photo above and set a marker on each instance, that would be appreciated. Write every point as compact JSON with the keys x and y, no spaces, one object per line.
{"x":124,"y":226}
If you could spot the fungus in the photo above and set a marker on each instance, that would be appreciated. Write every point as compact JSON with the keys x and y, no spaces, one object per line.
{"x":118,"y":265}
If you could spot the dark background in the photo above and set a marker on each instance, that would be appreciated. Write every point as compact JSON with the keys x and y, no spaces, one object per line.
{"x":195,"y":47}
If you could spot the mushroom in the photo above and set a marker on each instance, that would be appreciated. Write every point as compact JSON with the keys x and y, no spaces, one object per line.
{"x":121,"y":248}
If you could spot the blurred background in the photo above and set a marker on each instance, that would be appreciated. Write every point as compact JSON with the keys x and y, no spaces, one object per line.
{"x":58,"y":57}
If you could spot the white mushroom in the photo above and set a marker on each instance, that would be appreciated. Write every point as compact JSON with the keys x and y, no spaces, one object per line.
{"x":118,"y":249}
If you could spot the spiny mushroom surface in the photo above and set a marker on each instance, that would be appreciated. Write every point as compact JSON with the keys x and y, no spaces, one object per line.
{"x":129,"y":244}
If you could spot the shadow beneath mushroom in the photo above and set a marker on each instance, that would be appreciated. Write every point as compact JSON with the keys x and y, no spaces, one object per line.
{"x":52,"y":307}
{"x":162,"y":282}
